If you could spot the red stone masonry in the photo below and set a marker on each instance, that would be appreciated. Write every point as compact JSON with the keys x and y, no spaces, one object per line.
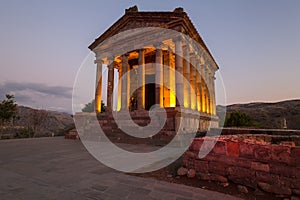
{"x":256,"y":164}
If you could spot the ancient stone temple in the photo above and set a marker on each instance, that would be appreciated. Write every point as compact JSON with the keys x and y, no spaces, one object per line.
{"x":189,"y":77}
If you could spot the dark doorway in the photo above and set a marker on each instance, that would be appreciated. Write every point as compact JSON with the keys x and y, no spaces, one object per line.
{"x":149,"y":91}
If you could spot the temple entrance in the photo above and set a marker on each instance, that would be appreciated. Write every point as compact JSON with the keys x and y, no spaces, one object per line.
{"x":149,"y":91}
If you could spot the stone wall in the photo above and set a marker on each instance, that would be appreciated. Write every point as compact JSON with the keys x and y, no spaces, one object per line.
{"x":272,"y":132}
{"x":247,"y":162}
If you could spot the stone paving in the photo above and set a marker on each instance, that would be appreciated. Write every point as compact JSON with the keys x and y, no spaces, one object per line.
{"x":55,"y":168}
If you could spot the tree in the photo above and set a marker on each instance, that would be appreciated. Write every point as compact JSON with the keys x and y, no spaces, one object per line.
{"x":238,"y":119}
{"x":8,"y":112}
{"x":8,"y":109}
{"x":90,"y":107}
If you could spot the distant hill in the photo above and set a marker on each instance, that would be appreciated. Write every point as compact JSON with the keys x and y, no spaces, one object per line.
{"x":55,"y":122}
{"x":269,"y":115}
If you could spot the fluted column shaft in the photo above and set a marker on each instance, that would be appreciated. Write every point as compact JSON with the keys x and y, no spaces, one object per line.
{"x":179,"y":72}
{"x":141,"y":81}
{"x":193,"y":83}
{"x":124,"y":82}
{"x":159,"y":77}
{"x":110,"y":84}
{"x":98,"y":92}
{"x":187,"y":76}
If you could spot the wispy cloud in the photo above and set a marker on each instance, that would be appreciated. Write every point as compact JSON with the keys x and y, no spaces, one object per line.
{"x":38,"y":95}
{"x":57,"y":91}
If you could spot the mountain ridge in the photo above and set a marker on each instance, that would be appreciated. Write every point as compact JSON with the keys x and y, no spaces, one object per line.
{"x":269,"y":114}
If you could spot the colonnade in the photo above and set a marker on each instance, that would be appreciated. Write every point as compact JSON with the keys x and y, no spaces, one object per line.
{"x":198,"y":75}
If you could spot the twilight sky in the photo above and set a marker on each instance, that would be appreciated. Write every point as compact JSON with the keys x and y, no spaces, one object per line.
{"x":255,"y":43}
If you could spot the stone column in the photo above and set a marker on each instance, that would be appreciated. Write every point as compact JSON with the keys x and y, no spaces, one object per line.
{"x":124,"y":82}
{"x":203,"y":87}
{"x":214,"y":95}
{"x":208,"y":90}
{"x":159,"y":77}
{"x":141,"y":81}
{"x":179,"y":72}
{"x":193,"y":83}
{"x":98,"y":92}
{"x":110,"y":84}
{"x":119,"y":89}
{"x":199,"y":87}
{"x":187,"y":76}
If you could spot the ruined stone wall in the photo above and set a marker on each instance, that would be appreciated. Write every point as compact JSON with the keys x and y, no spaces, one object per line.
{"x":247,"y":162}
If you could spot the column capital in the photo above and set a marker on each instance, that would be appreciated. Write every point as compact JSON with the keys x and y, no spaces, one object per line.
{"x":158,"y":45}
{"x":110,"y":59}
{"x":141,"y":50}
{"x":178,"y":38}
{"x":99,"y":61}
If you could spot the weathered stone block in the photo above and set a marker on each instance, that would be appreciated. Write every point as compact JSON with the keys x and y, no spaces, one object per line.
{"x":232,"y":149}
{"x":274,"y":188}
{"x":242,"y":189}
{"x":191,"y":173}
{"x":284,"y":170}
{"x":219,"y":148}
{"x":234,"y":161}
{"x":281,"y":153}
{"x":295,"y":157}
{"x":182,"y":171}
{"x":266,"y":177}
{"x":196,"y":144}
{"x":262,"y":153}
{"x":201,"y":166}
{"x":218,"y":168}
{"x":242,"y":176}
{"x":246,"y":150}
{"x":191,"y":154}
{"x":212,"y":177}
{"x":260,"y":166}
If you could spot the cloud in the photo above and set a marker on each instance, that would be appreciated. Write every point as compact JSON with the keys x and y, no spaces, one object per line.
{"x":38,"y":95}
{"x":56,"y":91}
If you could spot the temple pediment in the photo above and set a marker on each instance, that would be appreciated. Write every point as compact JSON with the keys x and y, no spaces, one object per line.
{"x":177,"y":20}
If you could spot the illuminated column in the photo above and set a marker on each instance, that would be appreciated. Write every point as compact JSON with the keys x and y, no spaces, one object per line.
{"x":214,"y":95}
{"x":124,"y":82}
{"x":207,"y":90}
{"x":141,"y":80}
{"x":119,"y":89}
{"x":98,"y":93}
{"x":166,"y":78}
{"x":186,"y":72}
{"x":179,"y":71}
{"x":199,"y":86}
{"x":110,"y":84}
{"x":210,"y":92}
{"x":193,"y":82}
{"x":203,"y":88}
{"x":172,"y":83}
{"x":159,"y":77}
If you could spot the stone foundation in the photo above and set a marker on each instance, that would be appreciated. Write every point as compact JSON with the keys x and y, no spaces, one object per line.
{"x":273,"y":168}
{"x":184,"y":120}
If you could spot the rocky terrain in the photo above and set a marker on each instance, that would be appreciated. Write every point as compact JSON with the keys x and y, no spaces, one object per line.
{"x":269,"y":115}
{"x":44,"y":122}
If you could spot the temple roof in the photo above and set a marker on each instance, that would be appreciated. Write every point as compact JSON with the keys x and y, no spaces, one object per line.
{"x":176,"y":20}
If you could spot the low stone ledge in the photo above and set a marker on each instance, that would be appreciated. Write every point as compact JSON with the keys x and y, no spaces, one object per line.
{"x":273,"y":168}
